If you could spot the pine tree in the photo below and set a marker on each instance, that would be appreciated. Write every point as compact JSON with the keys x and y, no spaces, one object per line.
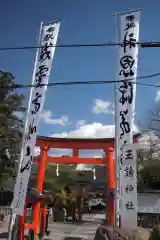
{"x":11,"y":124}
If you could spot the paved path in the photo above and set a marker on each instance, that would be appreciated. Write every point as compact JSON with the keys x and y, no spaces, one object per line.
{"x":86,"y":230}
{"x":72,"y":231}
{"x":60,"y":231}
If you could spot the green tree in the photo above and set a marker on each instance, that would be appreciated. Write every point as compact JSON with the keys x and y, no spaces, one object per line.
{"x":148,"y":156}
{"x":67,"y":174}
{"x":149,"y":177}
{"x":11,"y":124}
{"x":148,"y":168}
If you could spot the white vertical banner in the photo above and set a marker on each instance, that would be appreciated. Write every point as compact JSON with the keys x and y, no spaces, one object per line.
{"x":48,"y":39}
{"x":129,"y":204}
{"x":125,"y":108}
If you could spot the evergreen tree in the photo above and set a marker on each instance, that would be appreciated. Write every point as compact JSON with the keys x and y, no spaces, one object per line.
{"x":11,"y":124}
{"x":66,"y":176}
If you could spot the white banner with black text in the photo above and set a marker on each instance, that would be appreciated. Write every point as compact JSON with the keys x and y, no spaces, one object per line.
{"x":125,"y":109}
{"x":129,"y":203}
{"x":48,"y":39}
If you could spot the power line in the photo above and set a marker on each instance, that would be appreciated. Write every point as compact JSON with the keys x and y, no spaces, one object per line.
{"x":147,"y":85}
{"x":106,"y":44}
{"x":71,"y":83}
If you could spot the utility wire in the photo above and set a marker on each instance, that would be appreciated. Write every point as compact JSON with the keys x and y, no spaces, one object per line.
{"x":16,"y":86}
{"x":107,"y":44}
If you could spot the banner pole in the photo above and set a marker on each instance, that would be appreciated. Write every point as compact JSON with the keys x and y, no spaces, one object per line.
{"x":14,"y":215}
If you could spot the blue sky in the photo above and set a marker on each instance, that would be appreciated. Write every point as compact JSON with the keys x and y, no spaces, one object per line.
{"x":82,"y":22}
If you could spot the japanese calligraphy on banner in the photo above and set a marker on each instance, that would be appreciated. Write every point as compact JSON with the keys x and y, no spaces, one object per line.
{"x":125,"y":103}
{"x":48,"y":40}
{"x":129,"y":186}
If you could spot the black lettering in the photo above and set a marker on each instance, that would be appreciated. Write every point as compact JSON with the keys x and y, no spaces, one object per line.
{"x":124,"y":125}
{"x":129,"y":155}
{"x":127,"y":63}
{"x":127,"y":92}
{"x":51,"y":29}
{"x":29,"y":162}
{"x":129,"y":188}
{"x":42,"y":72}
{"x":36,"y":104}
{"x":48,"y":37}
{"x":27,"y":165}
{"x":129,"y":41}
{"x":130,"y":18}
{"x":129,"y":172}
{"x":121,"y":150}
{"x":130,"y":22}
{"x":45,"y":52}
{"x":129,"y":205}
{"x":32,"y":129}
{"x":121,"y":158}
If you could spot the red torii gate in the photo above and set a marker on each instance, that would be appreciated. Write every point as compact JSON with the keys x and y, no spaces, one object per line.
{"x":76,"y":144}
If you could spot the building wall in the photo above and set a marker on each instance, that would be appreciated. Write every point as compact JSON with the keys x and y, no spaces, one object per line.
{"x":149,"y":202}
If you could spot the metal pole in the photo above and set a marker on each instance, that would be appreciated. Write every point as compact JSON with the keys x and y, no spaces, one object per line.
{"x":14,"y":215}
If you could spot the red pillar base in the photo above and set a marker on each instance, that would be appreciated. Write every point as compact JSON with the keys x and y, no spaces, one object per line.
{"x":43,"y":221}
{"x":110,"y":183}
{"x":110,"y":207}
